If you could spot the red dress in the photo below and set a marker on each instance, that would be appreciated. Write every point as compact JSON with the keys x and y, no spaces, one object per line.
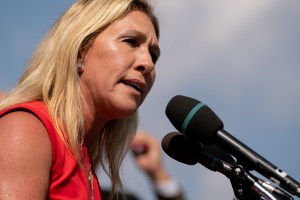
{"x":68,"y":181}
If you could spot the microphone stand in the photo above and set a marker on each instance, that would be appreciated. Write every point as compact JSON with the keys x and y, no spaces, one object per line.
{"x":245,"y":185}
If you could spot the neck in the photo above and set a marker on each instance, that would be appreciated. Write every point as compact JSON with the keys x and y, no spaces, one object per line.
{"x":93,"y":125}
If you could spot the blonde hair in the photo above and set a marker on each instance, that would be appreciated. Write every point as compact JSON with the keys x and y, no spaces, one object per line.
{"x":51,"y":77}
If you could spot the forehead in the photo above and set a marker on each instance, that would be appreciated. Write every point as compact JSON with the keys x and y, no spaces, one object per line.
{"x":137,"y":20}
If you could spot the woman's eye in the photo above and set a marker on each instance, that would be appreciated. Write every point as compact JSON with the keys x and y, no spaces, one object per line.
{"x":131,"y":41}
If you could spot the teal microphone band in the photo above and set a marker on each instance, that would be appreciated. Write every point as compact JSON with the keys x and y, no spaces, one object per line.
{"x":190,"y":116}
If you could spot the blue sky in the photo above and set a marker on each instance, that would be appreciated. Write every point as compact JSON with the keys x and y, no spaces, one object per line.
{"x":241,"y":58}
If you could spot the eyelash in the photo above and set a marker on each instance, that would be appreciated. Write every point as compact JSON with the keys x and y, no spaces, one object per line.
{"x":132,"y":41}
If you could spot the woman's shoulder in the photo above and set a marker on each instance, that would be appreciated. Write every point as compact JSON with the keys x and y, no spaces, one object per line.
{"x":25,"y":149}
{"x":30,"y":119}
{"x":21,"y":121}
{"x":34,"y":111}
{"x":22,"y":129}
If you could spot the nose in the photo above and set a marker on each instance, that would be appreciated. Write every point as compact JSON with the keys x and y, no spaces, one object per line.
{"x":145,"y":64}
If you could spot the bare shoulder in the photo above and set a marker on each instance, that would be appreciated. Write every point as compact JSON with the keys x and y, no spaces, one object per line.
{"x":26,"y":156}
{"x":23,"y":129}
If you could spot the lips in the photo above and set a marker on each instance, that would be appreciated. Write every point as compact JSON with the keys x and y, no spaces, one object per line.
{"x":135,"y":84}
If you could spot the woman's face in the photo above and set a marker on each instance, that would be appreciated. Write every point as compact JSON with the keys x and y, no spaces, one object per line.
{"x":119,"y":68}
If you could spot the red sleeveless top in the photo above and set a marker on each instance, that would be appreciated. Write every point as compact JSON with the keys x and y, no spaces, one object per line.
{"x":68,"y":181}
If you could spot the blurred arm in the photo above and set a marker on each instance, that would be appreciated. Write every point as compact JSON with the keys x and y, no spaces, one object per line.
{"x":148,"y":157}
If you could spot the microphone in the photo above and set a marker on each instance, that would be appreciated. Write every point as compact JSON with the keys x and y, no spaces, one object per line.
{"x":199,"y":123}
{"x":186,"y":151}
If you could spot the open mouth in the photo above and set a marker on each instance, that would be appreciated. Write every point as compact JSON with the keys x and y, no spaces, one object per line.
{"x":133,"y":84}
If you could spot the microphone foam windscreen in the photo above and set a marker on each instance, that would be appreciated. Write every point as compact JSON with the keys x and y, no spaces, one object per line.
{"x":193,"y":119}
{"x":180,"y":148}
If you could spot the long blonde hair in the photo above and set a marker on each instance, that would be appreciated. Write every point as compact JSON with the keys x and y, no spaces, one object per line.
{"x":51,"y":77}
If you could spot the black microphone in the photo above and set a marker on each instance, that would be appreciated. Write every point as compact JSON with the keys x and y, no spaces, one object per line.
{"x":199,"y":123}
{"x":186,"y":151}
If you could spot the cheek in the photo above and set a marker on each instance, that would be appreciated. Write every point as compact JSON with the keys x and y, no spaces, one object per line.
{"x":150,"y":79}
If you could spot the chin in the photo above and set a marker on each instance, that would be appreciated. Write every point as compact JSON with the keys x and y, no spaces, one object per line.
{"x":125,"y":107}
{"x":126,"y":114}
{"x":125,"y":111}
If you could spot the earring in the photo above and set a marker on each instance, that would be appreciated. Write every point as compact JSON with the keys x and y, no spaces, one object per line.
{"x":79,"y":67}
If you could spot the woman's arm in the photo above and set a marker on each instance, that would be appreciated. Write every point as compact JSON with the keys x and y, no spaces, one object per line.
{"x":25,"y":157}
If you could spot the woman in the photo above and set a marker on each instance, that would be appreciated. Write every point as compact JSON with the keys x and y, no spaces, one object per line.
{"x":77,"y":101}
